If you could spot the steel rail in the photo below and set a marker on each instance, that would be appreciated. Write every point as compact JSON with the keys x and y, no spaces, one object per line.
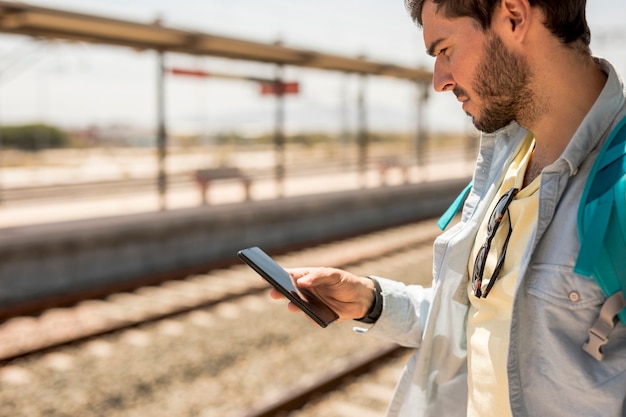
{"x":90,"y":333}
{"x":300,"y":396}
{"x":129,"y":324}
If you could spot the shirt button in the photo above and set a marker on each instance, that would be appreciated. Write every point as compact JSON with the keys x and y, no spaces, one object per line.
{"x":573,"y":296}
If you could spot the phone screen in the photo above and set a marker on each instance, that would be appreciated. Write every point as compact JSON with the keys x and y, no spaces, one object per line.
{"x":282,"y":281}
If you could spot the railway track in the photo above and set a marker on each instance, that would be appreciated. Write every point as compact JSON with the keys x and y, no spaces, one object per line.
{"x":320,"y":397}
{"x":230,"y":342}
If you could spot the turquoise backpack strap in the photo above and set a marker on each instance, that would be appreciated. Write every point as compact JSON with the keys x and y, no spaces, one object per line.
{"x":602,"y":232}
{"x":454,"y":208}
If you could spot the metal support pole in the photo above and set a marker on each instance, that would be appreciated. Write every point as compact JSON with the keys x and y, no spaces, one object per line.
{"x":421,"y":139}
{"x":1,"y":160}
{"x":344,"y":134}
{"x":161,"y":132}
{"x":362,"y":136}
{"x":279,"y":136}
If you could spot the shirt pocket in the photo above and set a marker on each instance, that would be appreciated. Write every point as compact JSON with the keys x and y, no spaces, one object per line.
{"x":563,"y":306}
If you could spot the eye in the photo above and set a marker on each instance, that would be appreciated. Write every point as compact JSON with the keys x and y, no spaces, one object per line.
{"x":442,"y":51}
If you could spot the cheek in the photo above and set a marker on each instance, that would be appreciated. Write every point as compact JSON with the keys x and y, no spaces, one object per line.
{"x":466,"y":66}
{"x":464,"y":74}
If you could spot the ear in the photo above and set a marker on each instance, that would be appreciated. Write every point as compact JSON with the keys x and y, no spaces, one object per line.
{"x":511,"y":19}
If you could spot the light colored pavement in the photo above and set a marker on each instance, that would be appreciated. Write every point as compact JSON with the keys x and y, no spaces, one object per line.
{"x":51,"y":211}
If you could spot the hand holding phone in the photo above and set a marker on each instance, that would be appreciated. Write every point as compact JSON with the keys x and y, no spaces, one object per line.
{"x":280,"y":279}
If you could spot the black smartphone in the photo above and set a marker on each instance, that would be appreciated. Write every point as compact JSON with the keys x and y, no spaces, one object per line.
{"x":280,"y":279}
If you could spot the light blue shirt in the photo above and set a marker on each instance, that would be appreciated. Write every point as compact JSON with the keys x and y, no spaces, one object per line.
{"x":549,"y":373}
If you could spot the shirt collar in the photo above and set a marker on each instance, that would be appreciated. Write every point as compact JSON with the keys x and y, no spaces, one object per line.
{"x":598,"y":122}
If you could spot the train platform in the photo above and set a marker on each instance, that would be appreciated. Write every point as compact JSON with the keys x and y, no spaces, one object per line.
{"x":104,"y":244}
{"x":63,"y":209}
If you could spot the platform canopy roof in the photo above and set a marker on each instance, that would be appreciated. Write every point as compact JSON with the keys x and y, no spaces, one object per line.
{"x":21,"y":18}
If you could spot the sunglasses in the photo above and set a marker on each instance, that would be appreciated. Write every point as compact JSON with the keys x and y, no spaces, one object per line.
{"x":494,"y":222}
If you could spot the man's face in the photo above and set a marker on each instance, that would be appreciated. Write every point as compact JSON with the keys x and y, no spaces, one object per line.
{"x":491,"y":81}
{"x":501,"y":83}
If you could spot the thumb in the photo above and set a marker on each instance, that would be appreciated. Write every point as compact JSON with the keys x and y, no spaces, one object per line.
{"x":302,"y":276}
{"x":316,"y":277}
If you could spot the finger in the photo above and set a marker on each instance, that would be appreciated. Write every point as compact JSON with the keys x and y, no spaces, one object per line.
{"x":318,"y":277}
{"x":298,"y":272}
{"x":293,"y":308}
{"x":275,"y":294}
{"x":303,"y":277}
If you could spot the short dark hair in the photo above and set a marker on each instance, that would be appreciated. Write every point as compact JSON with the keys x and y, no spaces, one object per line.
{"x":566,"y":19}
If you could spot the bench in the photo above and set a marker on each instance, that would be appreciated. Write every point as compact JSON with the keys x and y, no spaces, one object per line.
{"x":204,"y":177}
{"x":385,"y":164}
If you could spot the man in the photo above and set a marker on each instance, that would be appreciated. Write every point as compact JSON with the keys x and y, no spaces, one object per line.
{"x":501,"y":331}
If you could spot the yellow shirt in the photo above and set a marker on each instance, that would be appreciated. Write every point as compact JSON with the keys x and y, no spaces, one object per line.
{"x":489,"y":319}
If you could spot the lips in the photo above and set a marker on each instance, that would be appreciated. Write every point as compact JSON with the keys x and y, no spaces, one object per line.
{"x":464,"y":100}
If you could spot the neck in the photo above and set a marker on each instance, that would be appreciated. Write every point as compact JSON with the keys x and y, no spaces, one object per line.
{"x":565,"y":94}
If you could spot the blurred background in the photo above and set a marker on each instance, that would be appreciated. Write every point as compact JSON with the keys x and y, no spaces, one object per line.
{"x":130,"y":176}
{"x":92,"y":109}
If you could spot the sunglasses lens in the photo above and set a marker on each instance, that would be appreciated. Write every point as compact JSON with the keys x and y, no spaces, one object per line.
{"x":479,"y":266}
{"x":498,"y":212}
{"x":481,"y":257}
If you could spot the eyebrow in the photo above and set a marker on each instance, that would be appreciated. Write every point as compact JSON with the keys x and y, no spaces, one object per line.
{"x":431,"y":49}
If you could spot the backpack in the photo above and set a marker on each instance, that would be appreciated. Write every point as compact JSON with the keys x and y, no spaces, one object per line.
{"x":602,"y":233}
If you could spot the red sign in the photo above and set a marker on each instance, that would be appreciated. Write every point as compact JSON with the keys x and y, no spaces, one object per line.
{"x":191,"y":73}
{"x":278,"y":88}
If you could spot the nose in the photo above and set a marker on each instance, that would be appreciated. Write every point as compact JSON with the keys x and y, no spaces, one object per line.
{"x":442,"y":76}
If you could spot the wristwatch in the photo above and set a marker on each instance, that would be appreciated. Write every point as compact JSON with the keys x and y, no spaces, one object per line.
{"x":377,"y":306}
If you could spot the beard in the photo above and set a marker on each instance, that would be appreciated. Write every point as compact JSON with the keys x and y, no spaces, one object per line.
{"x":502,"y":82}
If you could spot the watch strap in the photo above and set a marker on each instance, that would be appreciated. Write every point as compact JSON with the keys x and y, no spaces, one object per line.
{"x":376,"y":308}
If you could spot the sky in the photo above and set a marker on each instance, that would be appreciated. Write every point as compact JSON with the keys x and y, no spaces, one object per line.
{"x":79,"y":85}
